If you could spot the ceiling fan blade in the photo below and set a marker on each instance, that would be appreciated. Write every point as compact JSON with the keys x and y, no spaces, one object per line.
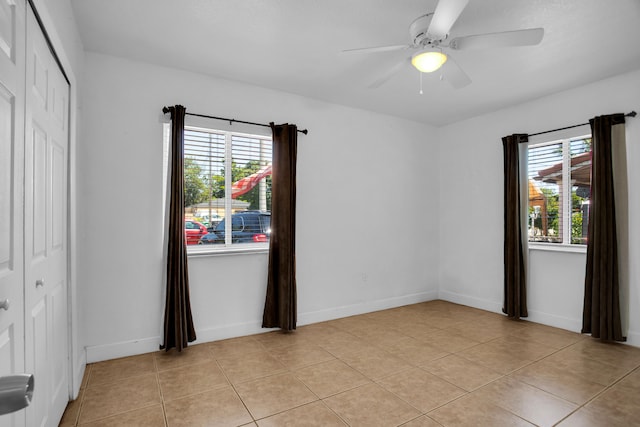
{"x":377,"y":49}
{"x":383,"y":78}
{"x":445,"y":15}
{"x":452,"y":72}
{"x":529,"y":37}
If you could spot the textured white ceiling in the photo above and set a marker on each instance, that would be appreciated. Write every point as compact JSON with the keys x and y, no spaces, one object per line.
{"x":294,"y":46}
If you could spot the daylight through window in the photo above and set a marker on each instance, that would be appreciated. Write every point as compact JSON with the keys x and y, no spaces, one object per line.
{"x":227,"y":175}
{"x":559,"y":182}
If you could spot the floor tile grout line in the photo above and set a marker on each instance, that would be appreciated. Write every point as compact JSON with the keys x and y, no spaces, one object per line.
{"x":255,"y":420}
{"x":164,"y":414}
{"x":318,"y":399}
{"x":607,"y":388}
{"x":601,"y":392}
{"x":157,"y":372}
{"x":162,"y":401}
{"x":77,"y":417}
{"x":233,"y":386}
{"x":467,"y":393}
{"x":520,"y":416}
{"x":321,"y":399}
{"x":111,"y":382}
{"x":580,"y":406}
{"x":82,"y":403}
{"x":521,"y":367}
{"x":91,"y":384}
{"x":440,"y":378}
{"x":82,"y":393}
{"x":509,"y":375}
{"x":433,"y":409}
{"x":299,"y":406}
{"x":564,"y":399}
{"x":334,"y":412}
{"x":117,"y":414}
{"x":229,"y":383}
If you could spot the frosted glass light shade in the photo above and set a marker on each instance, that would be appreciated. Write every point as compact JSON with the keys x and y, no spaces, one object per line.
{"x":428,"y":61}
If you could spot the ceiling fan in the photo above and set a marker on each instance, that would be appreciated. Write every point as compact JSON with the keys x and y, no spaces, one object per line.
{"x":429,"y":37}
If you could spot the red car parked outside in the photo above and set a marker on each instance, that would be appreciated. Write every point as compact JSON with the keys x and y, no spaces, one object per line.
{"x":193,"y":231}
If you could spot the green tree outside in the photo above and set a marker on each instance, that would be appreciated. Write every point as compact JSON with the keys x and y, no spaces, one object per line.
{"x":553,"y":211}
{"x":194,"y":185}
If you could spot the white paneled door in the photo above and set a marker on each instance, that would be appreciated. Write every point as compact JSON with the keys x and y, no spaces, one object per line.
{"x":45,"y":229}
{"x":12,"y":74}
{"x":34,"y":135}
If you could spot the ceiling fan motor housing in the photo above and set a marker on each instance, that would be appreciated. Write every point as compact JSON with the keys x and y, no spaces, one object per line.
{"x":418,"y":32}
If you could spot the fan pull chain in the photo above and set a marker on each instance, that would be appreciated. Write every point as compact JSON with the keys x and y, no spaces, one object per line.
{"x":420,"y":82}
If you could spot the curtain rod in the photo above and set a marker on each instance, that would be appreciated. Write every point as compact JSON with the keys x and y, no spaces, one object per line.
{"x":631,"y":114}
{"x":165,"y":110}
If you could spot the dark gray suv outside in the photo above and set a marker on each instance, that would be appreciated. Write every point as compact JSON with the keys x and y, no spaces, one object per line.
{"x":246,"y":227}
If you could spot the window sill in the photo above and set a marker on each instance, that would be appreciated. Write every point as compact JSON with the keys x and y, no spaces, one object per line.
{"x":557,"y":247}
{"x":207,"y":251}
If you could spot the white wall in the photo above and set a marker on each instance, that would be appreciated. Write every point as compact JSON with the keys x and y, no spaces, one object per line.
{"x":367,"y":209}
{"x":361,"y":176}
{"x":471,"y":203}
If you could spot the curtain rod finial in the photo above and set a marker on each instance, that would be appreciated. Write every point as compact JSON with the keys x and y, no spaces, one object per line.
{"x":632,"y":114}
{"x":165,"y":110}
{"x":305,"y":131}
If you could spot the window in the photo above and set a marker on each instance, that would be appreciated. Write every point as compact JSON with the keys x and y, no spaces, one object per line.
{"x":227,"y":175}
{"x":559,"y":182}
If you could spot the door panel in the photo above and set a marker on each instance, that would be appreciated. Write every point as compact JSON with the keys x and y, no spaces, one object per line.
{"x":12,"y":78}
{"x":58,"y":333}
{"x":7,"y":28}
{"x":58,"y":193}
{"x":10,"y":364}
{"x":39,"y":80}
{"x":45,"y":216}
{"x":36,"y":153}
{"x":33,"y":215}
{"x":36,"y":362}
{"x":7,"y":182}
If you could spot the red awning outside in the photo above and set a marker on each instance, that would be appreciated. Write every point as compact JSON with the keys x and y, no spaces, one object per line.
{"x":580,"y":171}
{"x":245,"y":184}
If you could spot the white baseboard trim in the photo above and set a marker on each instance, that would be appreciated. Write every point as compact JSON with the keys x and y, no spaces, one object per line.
{"x":98,"y":353}
{"x":573,"y":325}
{"x":535,"y":316}
{"x":633,"y":338}
{"x":482,"y":304}
{"x":364,"y":307}
{"x":229,"y":331}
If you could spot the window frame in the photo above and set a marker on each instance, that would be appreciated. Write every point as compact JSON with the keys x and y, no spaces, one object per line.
{"x":228,"y":248}
{"x":565,"y":140}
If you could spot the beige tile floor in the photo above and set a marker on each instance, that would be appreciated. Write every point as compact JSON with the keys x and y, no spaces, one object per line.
{"x":428,"y":364}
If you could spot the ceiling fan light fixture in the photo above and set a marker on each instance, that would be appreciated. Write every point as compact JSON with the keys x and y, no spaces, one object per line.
{"x":428,"y":61}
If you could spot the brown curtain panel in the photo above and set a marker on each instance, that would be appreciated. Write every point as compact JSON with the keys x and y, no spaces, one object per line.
{"x":601,"y":311}
{"x":515,"y":279}
{"x":178,"y":323}
{"x":280,"y":308}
